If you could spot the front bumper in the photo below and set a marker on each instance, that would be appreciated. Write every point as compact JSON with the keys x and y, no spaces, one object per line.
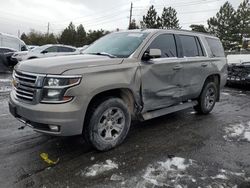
{"x":68,"y":117}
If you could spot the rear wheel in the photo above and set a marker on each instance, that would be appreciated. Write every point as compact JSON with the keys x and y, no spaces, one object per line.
{"x":108,"y":124}
{"x":207,"y":99}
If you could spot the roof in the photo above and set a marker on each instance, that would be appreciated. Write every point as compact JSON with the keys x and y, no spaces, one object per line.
{"x":179,"y":31}
{"x":8,"y":35}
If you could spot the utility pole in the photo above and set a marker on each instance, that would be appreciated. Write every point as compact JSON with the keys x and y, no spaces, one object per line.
{"x":48,"y":29}
{"x":130,"y":14}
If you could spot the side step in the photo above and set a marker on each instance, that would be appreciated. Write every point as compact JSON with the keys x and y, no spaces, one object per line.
{"x":168,"y":110}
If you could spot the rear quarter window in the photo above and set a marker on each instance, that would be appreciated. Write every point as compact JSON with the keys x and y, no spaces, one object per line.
{"x":66,"y":49}
{"x":215,"y":47}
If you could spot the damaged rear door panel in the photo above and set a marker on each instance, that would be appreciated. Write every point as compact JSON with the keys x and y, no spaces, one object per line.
{"x":195,"y":65}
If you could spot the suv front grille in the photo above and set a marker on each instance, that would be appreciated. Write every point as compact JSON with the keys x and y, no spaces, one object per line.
{"x":24,"y":85}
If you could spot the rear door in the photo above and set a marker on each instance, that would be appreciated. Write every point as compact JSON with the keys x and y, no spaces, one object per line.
{"x":161,"y":77}
{"x":195,"y":65}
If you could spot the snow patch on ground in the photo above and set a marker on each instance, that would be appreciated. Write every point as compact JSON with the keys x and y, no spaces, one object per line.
{"x":239,"y":131}
{"x":220,"y":176}
{"x":179,"y":172}
{"x":168,"y":173}
{"x":116,"y":177}
{"x":98,"y":169}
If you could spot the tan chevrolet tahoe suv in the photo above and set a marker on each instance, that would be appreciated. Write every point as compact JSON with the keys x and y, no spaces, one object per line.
{"x":139,"y":74}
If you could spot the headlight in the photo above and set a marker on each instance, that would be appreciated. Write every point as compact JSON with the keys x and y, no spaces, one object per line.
{"x":55,"y":88}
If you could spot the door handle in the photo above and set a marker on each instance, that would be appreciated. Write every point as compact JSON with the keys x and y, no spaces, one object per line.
{"x":204,"y":64}
{"x":177,"y":67}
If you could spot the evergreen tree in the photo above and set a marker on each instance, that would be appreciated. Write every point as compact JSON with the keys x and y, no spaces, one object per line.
{"x":133,"y":25}
{"x":25,"y":38}
{"x":81,"y":36}
{"x":51,"y":39}
{"x":94,"y":35}
{"x":151,"y":20}
{"x":243,"y":19}
{"x":224,"y":26}
{"x":199,"y":28}
{"x":69,"y":35}
{"x":38,"y":38}
{"x":169,"y":19}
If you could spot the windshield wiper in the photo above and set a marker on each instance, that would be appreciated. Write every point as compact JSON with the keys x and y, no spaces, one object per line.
{"x":104,"y":54}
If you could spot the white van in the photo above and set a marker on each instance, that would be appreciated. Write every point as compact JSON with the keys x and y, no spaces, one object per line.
{"x":12,"y":41}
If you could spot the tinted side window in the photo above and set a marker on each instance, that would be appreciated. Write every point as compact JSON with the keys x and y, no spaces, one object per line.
{"x":216,"y":47}
{"x":51,"y":49}
{"x":65,"y":49}
{"x":166,"y":43}
{"x":24,"y":48}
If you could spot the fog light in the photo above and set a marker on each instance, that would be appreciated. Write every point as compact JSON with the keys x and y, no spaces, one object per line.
{"x":54,"y":128}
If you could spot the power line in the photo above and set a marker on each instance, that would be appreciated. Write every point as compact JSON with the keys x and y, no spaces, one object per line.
{"x":190,"y":12}
{"x":100,"y":23}
{"x":114,"y":14}
{"x":181,"y":5}
{"x":94,"y":14}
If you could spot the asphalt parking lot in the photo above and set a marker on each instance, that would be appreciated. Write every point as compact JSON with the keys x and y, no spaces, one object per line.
{"x":178,"y":150}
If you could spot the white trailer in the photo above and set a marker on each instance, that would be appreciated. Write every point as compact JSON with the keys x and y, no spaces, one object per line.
{"x":12,"y":41}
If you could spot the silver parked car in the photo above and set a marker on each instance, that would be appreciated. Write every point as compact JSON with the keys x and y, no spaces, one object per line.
{"x":138,"y":74}
{"x":48,"y":50}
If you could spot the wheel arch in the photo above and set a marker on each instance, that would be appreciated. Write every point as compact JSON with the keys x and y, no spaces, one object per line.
{"x":216,"y":78}
{"x":126,"y":94}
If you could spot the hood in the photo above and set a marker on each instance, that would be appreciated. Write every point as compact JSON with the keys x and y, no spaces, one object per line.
{"x":58,"y":65}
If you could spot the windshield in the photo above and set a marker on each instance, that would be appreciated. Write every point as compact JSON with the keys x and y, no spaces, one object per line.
{"x":117,"y":44}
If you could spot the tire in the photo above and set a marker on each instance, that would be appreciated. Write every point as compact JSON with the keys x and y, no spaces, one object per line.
{"x":107,"y":124}
{"x":207,"y":98}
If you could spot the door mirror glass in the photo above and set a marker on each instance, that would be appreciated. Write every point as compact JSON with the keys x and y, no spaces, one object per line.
{"x":155,"y":53}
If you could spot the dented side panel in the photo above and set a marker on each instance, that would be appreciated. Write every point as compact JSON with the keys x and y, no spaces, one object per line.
{"x":160,"y":83}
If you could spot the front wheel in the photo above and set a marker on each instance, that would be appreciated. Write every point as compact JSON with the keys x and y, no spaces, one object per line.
{"x":108,"y":124}
{"x":207,"y":99}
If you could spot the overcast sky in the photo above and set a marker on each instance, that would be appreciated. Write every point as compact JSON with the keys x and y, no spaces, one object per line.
{"x":25,"y":15}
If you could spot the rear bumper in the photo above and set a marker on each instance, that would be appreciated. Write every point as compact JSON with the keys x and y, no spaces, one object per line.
{"x":68,"y":117}
{"x":238,"y":80}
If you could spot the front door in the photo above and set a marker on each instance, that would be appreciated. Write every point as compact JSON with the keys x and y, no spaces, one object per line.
{"x":161,"y":77}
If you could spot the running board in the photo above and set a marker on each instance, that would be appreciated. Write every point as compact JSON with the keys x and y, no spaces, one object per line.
{"x":168,"y":110}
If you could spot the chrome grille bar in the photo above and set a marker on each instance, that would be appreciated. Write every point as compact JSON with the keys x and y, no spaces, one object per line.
{"x":25,"y":86}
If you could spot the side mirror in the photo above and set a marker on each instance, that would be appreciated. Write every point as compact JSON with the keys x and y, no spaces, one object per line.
{"x":153,"y":53}
{"x":44,"y":52}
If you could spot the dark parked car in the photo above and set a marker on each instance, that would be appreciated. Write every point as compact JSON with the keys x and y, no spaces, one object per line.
{"x":5,"y":58}
{"x":238,"y":69}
